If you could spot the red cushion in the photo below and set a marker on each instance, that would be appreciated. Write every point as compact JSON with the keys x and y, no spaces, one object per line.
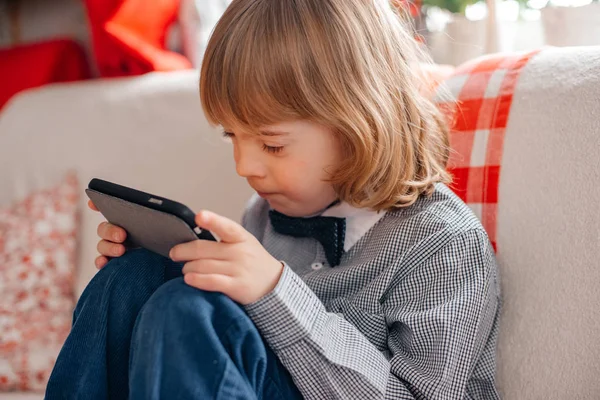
{"x":129,"y":36}
{"x":33,"y":65}
{"x":413,"y":6}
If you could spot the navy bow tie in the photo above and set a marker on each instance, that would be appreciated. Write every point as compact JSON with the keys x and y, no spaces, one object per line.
{"x":329,"y":231}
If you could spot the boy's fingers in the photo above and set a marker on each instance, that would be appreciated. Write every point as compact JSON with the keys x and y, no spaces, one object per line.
{"x":209,"y":267}
{"x":101,"y":262}
{"x":209,"y":282}
{"x":110,"y":249}
{"x":223,"y":228}
{"x":112,"y":233}
{"x":92,"y":205}
{"x":200,"y":249}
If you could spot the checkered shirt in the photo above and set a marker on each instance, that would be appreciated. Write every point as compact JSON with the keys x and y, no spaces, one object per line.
{"x":410,"y":313}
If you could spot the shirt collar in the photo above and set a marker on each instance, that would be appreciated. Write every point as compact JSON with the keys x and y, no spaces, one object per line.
{"x":358,"y":221}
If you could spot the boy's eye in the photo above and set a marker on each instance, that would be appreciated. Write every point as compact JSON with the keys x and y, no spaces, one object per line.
{"x":272,"y":149}
{"x":269,"y":149}
{"x":228,"y":135}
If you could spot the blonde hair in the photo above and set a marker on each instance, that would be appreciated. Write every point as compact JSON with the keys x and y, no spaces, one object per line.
{"x":350,"y":65}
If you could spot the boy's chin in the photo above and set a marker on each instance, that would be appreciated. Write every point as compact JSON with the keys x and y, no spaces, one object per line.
{"x":289,"y":211}
{"x":293,"y":210}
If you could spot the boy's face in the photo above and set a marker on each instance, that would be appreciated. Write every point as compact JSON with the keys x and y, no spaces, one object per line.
{"x":288,"y":165}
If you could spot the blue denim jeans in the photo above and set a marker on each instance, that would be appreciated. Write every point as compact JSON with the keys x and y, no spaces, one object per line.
{"x":140,"y":332}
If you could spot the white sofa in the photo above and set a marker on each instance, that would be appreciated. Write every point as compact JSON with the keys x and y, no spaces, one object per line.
{"x":149,"y":132}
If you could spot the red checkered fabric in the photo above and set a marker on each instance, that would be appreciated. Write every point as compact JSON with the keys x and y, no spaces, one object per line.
{"x":482,"y":92}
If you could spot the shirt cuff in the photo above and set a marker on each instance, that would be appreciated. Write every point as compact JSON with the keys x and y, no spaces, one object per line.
{"x":287,"y":314}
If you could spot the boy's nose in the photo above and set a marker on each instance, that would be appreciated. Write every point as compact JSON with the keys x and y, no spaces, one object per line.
{"x":248,"y":166}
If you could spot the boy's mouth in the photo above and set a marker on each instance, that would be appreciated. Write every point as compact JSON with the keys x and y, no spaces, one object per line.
{"x":264,"y":195}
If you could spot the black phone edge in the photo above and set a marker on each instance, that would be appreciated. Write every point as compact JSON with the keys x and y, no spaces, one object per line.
{"x":151,"y":201}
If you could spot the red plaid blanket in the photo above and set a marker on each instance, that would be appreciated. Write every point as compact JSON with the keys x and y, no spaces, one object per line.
{"x":482,"y":92}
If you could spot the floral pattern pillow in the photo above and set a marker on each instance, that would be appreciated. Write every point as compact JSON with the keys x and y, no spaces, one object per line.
{"x":37,"y":268}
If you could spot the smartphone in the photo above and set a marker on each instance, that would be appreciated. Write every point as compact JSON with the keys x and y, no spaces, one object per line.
{"x":152,"y":222}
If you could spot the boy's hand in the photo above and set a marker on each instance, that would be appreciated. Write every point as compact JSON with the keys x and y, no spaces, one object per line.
{"x":111,"y":243}
{"x":238,"y":266}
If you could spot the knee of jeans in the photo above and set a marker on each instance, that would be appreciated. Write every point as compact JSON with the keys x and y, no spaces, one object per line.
{"x":129,"y":279}
{"x":177,"y":301}
{"x":134,"y":267}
